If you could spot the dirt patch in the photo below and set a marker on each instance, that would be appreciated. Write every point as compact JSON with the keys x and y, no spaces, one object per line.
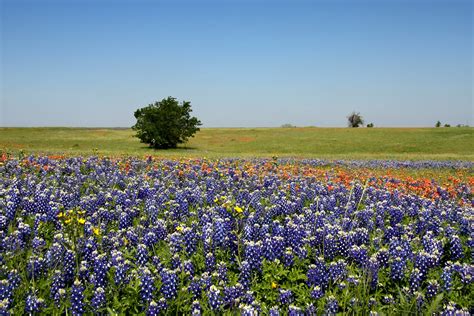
{"x":245,"y":139}
{"x":100,"y":133}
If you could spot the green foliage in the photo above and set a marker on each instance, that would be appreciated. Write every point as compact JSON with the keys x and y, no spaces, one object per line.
{"x":438,"y":124}
{"x":370,"y":125}
{"x":165,"y":124}
{"x":355,"y":120}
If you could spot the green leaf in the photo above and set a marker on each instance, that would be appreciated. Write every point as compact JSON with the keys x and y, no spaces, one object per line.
{"x":435,"y":305}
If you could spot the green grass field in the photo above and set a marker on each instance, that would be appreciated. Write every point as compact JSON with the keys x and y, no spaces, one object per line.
{"x":329,"y":143}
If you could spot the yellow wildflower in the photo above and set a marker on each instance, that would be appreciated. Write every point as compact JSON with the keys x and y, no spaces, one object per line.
{"x":125,"y":241}
{"x":216,"y":200}
{"x":179,"y":228}
{"x":60,"y":215}
{"x":96,"y":231}
{"x":238,"y":209}
{"x":67,"y":221}
{"x":81,"y":221}
{"x":274,"y":285}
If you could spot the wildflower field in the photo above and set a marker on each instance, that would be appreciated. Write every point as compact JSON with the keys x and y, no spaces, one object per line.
{"x":234,"y":236}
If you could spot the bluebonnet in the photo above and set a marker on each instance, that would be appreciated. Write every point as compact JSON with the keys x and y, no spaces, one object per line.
{"x":98,"y":300}
{"x":142,"y":254}
{"x":150,"y":239}
{"x":245,"y":274}
{"x":210,"y":262}
{"x":337,"y":270}
{"x":125,"y":220}
{"x":456,"y":251}
{"x":295,"y":311}
{"x":188,"y":267}
{"x":388,"y":300}
{"x":196,"y":308}
{"x":56,"y":283}
{"x":33,"y":304}
{"x":360,"y":255}
{"x":447,"y":278}
{"x":153,"y":309}
{"x":423,"y":262}
{"x":175,"y":242}
{"x":100,"y":268}
{"x":288,"y":257}
{"x":383,"y":257}
{"x":190,"y":238}
{"x":274,"y":311}
{"x":248,"y":297}
{"x":253,"y":254}
{"x":147,"y":286}
{"x":222,"y":272}
{"x":35,"y":267}
{"x":247,"y":310}
{"x":466,"y":273}
{"x":38,"y":244}
{"x":330,"y":247}
{"x":419,"y":300}
{"x":317,"y":292}
{"x":232,"y":294}
{"x":4,"y":307}
{"x":415,"y":280}
{"x":195,"y":287}
{"x":312,"y":223}
{"x":214,"y":298}
{"x":176,"y":262}
{"x":286,"y":297}
{"x":5,"y":289}
{"x":397,"y":268}
{"x":169,"y":283}
{"x":69,"y":265}
{"x":77,"y":298}
{"x":59,"y":297}
{"x":432,"y":288}
{"x":220,"y":232}
{"x":332,"y":305}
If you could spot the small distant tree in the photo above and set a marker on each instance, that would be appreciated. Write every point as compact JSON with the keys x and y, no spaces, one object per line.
{"x":355,"y":120}
{"x":287,"y":125}
{"x":165,"y":124}
{"x":438,"y":124}
{"x":447,"y":125}
{"x":370,"y":125}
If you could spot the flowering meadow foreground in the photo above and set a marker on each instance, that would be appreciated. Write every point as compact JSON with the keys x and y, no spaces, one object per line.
{"x":272,"y":237}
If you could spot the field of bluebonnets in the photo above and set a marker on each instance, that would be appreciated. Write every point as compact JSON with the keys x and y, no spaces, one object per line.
{"x":145,"y":236}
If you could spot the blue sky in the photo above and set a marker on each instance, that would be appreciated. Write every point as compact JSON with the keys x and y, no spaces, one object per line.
{"x":240,"y":63}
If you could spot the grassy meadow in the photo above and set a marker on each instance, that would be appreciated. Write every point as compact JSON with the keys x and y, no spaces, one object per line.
{"x":328,"y":143}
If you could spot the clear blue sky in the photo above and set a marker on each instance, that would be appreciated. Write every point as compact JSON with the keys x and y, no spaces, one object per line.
{"x":240,"y":63}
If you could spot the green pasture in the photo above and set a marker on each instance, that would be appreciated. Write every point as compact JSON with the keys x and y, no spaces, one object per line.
{"x":328,"y":143}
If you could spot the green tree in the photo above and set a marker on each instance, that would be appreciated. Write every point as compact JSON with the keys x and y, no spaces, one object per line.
{"x":438,"y":124}
{"x":165,"y":124}
{"x":355,"y":120}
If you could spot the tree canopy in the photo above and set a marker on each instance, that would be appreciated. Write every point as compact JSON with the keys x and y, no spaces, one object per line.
{"x":355,"y":120}
{"x":166,"y":123}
